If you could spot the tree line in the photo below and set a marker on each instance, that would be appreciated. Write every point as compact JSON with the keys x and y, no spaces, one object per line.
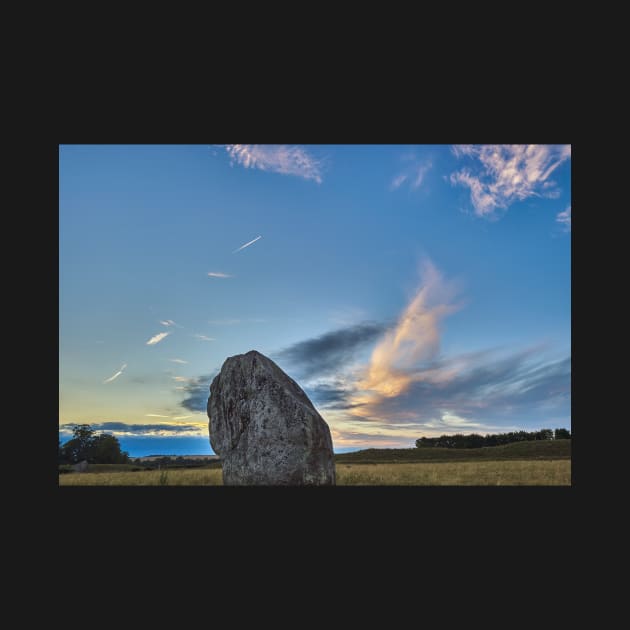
{"x":95,"y":449}
{"x":474,"y":440}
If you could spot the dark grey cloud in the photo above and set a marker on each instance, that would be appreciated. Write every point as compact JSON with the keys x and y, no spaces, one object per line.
{"x":327,"y":353}
{"x":328,"y":396}
{"x":197,"y":392}
{"x":174,"y":427}
{"x":141,"y":429}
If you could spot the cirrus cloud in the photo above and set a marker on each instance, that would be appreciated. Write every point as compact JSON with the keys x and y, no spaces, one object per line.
{"x":204,"y":337}
{"x":414,"y":174}
{"x":283,"y":159}
{"x":564,"y":218}
{"x":169,"y":322}
{"x":500,"y":174}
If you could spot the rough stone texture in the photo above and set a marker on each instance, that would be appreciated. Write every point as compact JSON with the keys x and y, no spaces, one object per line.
{"x":265,"y":428}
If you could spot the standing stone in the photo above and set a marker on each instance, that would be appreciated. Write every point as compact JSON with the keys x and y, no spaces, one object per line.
{"x":265,"y":428}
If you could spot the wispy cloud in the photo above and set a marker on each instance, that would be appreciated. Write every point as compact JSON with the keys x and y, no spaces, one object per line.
{"x":218,"y":274}
{"x":204,"y":338}
{"x":157,"y":338}
{"x":238,"y":249}
{"x":484,"y":392}
{"x":169,"y":322}
{"x":399,"y":180}
{"x":158,"y":415}
{"x":564,"y":218}
{"x":414,"y":174}
{"x":116,"y":375}
{"x":283,"y":159}
{"x":419,"y":175}
{"x":486,"y":389}
{"x":181,"y":379}
{"x":178,"y":361}
{"x":499,"y":174}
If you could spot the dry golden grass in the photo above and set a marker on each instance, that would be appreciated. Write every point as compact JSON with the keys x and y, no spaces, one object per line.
{"x":178,"y":477}
{"x":503,"y":473}
{"x":479,"y":473}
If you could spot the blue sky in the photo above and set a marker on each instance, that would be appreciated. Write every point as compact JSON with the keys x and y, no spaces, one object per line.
{"x":410,"y":290}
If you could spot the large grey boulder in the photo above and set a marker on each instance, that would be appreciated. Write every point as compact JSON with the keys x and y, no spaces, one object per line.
{"x":265,"y":428}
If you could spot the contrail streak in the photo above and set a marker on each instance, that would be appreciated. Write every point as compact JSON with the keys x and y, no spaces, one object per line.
{"x":115,"y":376}
{"x":246,"y":245}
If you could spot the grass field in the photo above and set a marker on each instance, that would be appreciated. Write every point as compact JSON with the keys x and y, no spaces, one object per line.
{"x":175,"y":477}
{"x":479,"y":473}
{"x":539,"y":463}
{"x":482,"y":473}
{"x":537,"y":450}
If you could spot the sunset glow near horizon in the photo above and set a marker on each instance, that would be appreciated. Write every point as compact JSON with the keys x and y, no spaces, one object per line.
{"x":410,"y":290}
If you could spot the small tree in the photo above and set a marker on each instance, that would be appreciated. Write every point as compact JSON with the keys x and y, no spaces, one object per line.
{"x":96,"y":449}
{"x":562,"y":434}
{"x":106,"y":450}
{"x":78,"y":448}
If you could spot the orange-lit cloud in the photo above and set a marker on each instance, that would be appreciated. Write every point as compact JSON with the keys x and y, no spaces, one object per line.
{"x":397,"y":358}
